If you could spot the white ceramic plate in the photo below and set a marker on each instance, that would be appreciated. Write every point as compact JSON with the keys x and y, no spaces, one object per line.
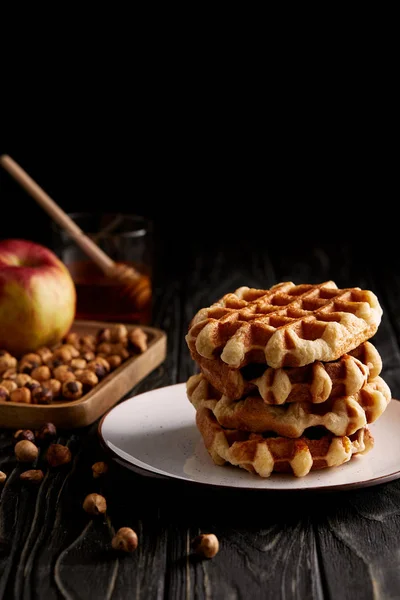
{"x":155,"y":433}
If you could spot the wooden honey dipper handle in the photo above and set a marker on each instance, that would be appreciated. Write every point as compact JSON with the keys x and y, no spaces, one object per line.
{"x":102,"y":260}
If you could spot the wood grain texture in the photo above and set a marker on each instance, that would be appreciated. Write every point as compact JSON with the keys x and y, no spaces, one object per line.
{"x":280,"y":546}
{"x":359,"y":533}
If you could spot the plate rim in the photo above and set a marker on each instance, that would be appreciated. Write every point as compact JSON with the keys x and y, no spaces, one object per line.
{"x":176,"y":479}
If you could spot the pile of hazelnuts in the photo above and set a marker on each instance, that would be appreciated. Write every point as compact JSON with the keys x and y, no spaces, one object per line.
{"x":27,"y":447}
{"x":69,"y":370}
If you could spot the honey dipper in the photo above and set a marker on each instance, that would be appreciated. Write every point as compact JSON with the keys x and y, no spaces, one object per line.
{"x":134,"y":284}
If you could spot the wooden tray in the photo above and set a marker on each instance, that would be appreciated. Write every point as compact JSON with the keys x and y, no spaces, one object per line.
{"x":92,"y":405}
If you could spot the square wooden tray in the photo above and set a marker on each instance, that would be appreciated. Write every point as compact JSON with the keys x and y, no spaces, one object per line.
{"x":95,"y":403}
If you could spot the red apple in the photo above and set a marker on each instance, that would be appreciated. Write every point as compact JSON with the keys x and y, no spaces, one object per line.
{"x":37,"y":297}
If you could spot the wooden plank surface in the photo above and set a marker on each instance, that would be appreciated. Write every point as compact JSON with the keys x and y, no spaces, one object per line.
{"x":341,"y":545}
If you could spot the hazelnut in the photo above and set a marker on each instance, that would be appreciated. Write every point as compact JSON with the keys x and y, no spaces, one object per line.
{"x":54,"y":362}
{"x":63,"y":373}
{"x":114,"y":361}
{"x":72,"y":349}
{"x":78,"y":363}
{"x":88,"y":379}
{"x":58,"y":455}
{"x":137,"y":339}
{"x":27,"y":367}
{"x":87,"y":348}
{"x":32,"y":476}
{"x":46,"y":433}
{"x":44,"y":353}
{"x":32,"y":384}
{"x":88,"y":355}
{"x":119,"y":333}
{"x":26,"y":451}
{"x":10,"y":374}
{"x":94,"y":504}
{"x":73,"y":339}
{"x":99,"y":469}
{"x":3,"y":477}
{"x":99,"y":366}
{"x":103,"y":362}
{"x":206,"y":545}
{"x":63,"y":354}
{"x":99,"y":370}
{"x":104,"y":348}
{"x":104,"y":335}
{"x":42,"y":395}
{"x":88,"y":342}
{"x":24,"y":434}
{"x":121,"y":351}
{"x":55,"y":386}
{"x":72,"y":390}
{"x":41,"y":373}
{"x":4,"y":394}
{"x":21,"y":395}
{"x":32,"y":357}
{"x":125,"y":539}
{"x":9,"y":385}
{"x":7,"y":362}
{"x":22,"y":379}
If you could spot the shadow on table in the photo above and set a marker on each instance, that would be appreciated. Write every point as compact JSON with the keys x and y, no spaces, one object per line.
{"x":184,"y":502}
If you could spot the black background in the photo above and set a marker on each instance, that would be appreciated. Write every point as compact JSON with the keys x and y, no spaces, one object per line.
{"x":292,"y":178}
{"x":214,"y":141}
{"x":206,"y":174}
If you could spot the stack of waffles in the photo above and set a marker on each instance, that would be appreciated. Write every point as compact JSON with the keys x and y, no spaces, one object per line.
{"x":288,"y":380}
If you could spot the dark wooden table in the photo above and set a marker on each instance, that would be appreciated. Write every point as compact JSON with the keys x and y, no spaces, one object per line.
{"x":333,"y":545}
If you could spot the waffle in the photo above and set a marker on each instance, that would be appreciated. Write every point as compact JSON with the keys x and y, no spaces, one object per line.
{"x":262,"y":456}
{"x":340,"y":416}
{"x":287,"y":326}
{"x":312,"y":383}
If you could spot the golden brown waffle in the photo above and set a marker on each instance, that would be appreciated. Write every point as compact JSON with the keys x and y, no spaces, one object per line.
{"x":312,"y":383}
{"x":262,"y":456}
{"x":341,"y":416}
{"x":369,"y":356}
{"x":287,"y":326}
